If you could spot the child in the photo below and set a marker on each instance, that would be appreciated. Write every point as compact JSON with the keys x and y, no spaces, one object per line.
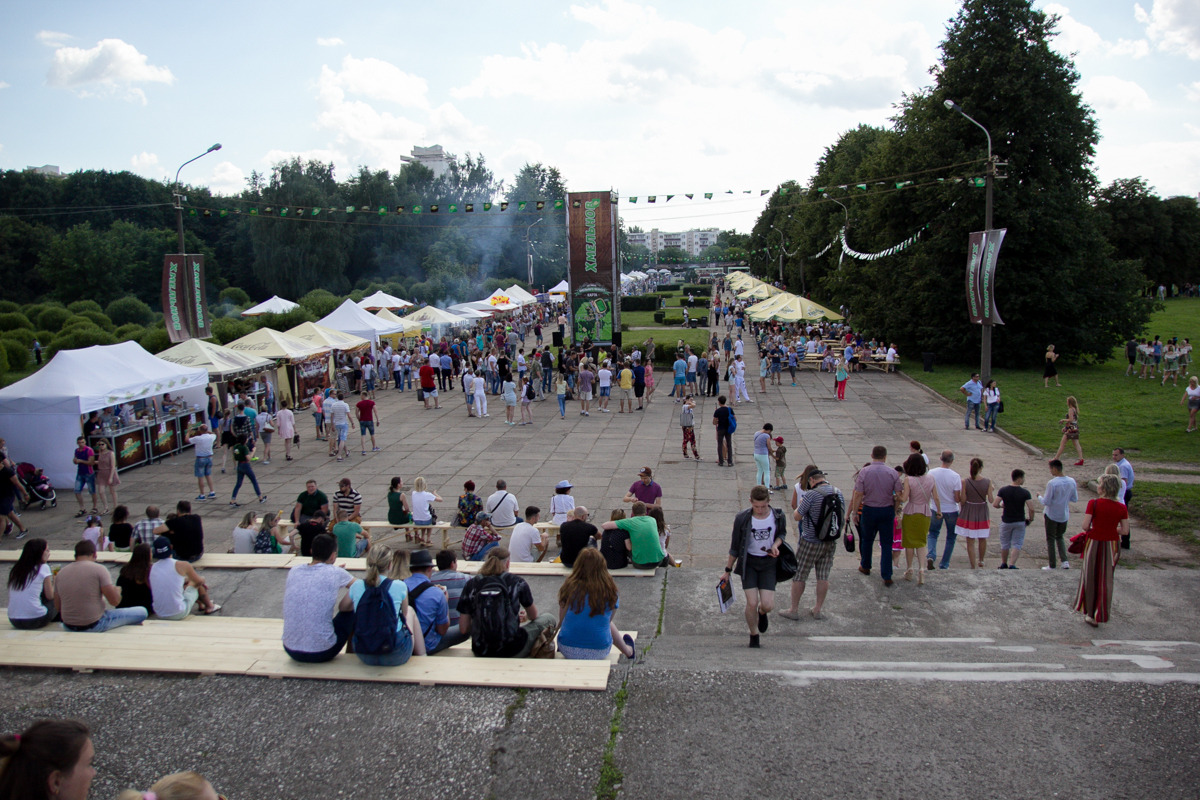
{"x":94,"y":533}
{"x":780,"y":464}
{"x":840,"y":376}
{"x":688,"y":423}
{"x":1017,"y":503}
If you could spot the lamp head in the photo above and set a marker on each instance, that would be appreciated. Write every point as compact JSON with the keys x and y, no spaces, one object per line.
{"x":950,"y":104}
{"x":216,"y":146}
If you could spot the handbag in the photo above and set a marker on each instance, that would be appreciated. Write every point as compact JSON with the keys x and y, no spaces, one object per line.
{"x":1000,"y":407}
{"x":786,"y":565}
{"x":432,"y":515}
{"x":848,"y":538}
{"x":1078,"y":542}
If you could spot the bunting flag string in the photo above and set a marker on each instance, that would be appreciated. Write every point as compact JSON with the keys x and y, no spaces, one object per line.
{"x":882,"y":253}
{"x":826,"y":249}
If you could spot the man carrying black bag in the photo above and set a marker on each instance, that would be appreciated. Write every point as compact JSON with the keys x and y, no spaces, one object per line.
{"x":758,"y":533}
{"x":821,"y":514}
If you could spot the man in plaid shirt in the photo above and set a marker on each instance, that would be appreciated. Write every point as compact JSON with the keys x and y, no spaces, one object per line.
{"x":480,"y":538}
{"x":143,"y":531}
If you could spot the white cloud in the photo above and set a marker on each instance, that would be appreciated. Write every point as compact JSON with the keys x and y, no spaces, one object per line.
{"x":1193,"y":92}
{"x":112,"y":65}
{"x":1116,"y":94}
{"x":1173,"y":25}
{"x":227,"y":178}
{"x":53,"y":38}
{"x":332,"y":41}
{"x":143,"y":161}
{"x":1075,"y":37}
{"x":4,"y":85}
{"x":375,"y":79}
{"x":1174,"y":163}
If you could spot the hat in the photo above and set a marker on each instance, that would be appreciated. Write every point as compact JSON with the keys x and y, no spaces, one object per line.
{"x":483,"y":516}
{"x":778,"y":440}
{"x":420,"y":559}
{"x":816,"y":473}
{"x":162,"y":548}
{"x":646,"y":472}
{"x":563,"y":485}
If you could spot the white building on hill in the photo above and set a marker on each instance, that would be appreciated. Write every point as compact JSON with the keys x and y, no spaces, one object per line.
{"x":694,"y":242}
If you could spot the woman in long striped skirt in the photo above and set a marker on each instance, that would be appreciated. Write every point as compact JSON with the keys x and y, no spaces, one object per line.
{"x":1105,"y":522}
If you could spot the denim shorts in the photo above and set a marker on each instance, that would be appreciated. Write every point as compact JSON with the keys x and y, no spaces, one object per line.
{"x":88,"y":481}
{"x":759,"y":573}
{"x":605,"y":391}
{"x":365,"y":427}
{"x":203,"y":467}
{"x":343,"y":430}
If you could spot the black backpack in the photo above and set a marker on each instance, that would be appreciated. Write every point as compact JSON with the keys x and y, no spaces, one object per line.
{"x":375,"y":621}
{"x":529,"y":392}
{"x":494,"y":624}
{"x":831,"y":516}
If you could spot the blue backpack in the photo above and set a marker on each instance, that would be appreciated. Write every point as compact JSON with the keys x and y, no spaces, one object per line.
{"x":732,"y":421}
{"x":375,"y":621}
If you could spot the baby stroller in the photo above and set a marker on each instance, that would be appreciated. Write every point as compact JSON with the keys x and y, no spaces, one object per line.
{"x":37,"y":485}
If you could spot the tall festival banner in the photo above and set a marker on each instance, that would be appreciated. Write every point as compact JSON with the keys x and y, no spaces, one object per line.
{"x":983,"y":248}
{"x":185,"y":305}
{"x":592,"y":256}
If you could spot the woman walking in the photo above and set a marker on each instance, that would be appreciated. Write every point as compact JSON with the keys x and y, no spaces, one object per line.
{"x":107,"y":480}
{"x":1050,"y":371}
{"x":991,"y":400}
{"x":1070,"y":430}
{"x":974,"y":524}
{"x":285,"y":423}
{"x":1104,"y":522}
{"x":265,"y":422}
{"x":920,"y":490}
{"x":762,"y":455}
{"x":1191,"y":399}
{"x":587,"y":602}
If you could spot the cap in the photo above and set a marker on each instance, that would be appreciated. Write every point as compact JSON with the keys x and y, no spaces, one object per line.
{"x":816,"y":473}
{"x":563,"y":485}
{"x":420,"y":559}
{"x":646,"y":472}
{"x":162,"y":548}
{"x":778,"y":440}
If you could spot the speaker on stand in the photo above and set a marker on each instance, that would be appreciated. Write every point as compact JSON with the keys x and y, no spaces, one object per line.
{"x":556,"y":338}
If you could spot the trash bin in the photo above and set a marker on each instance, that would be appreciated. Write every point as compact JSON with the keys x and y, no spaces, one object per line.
{"x":927,"y":358}
{"x":693,"y":323}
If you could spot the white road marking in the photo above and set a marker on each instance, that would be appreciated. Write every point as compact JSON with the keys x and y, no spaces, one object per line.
{"x":925,"y":665}
{"x":804,"y":677}
{"x":1145,"y":662}
{"x":1016,"y":648}
{"x":899,"y":640}
{"x":1147,"y":645}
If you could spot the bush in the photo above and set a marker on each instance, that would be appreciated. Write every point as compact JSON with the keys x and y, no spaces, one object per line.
{"x":225,"y":330}
{"x":22,"y":335}
{"x":100,"y":319}
{"x":80,"y":336}
{"x":234,"y":296}
{"x":53,"y":319}
{"x":17,"y":353}
{"x":128,"y":332}
{"x":704,"y":290}
{"x":78,"y":321}
{"x":12,"y":320}
{"x":128,"y":310}
{"x":320,"y":302}
{"x":45,"y":337}
{"x":283,"y":322}
{"x":659,"y":316}
{"x":79,"y":306}
{"x":673,"y":320}
{"x":3,"y":365}
{"x":645,"y":302}
{"x":155,"y":340}
{"x":9,"y":307}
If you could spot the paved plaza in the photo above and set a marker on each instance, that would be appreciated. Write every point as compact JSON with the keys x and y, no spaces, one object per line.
{"x":979,"y":684}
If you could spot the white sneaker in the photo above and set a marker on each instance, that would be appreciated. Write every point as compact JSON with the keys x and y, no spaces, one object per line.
{"x":1066,"y":565}
{"x":1047,"y":567}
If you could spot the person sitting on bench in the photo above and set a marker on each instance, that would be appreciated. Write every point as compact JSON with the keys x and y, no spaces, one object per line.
{"x":490,"y":611}
{"x":432,"y":605}
{"x":80,"y":589}
{"x":175,"y":585}
{"x":309,"y":597}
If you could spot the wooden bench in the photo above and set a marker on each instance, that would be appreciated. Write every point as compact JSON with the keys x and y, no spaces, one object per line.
{"x":882,"y":366}
{"x":251,"y":646}
{"x":386,"y":529}
{"x":284,"y":561}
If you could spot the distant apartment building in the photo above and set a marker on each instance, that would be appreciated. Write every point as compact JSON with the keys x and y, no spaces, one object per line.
{"x":46,"y":169}
{"x":432,"y":157}
{"x":693,"y":242}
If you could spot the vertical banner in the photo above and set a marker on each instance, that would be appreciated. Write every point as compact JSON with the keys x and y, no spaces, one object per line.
{"x":184,"y":301}
{"x":983,"y":249}
{"x":591,"y":255}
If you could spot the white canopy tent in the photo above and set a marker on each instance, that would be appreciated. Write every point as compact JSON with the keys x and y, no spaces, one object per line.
{"x":519,"y":296}
{"x":382,"y":299}
{"x":437,"y":316}
{"x":40,"y":416}
{"x":276,"y":305}
{"x":500,"y":300}
{"x":465,"y":311}
{"x":349,"y":318}
{"x":559,"y":288}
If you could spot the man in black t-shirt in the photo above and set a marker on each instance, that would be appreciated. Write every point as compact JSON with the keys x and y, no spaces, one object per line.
{"x":574,"y":535}
{"x":478,"y":596}
{"x":1018,"y":513}
{"x":185,"y":532}
{"x":310,"y":529}
{"x":10,"y":488}
{"x":721,"y":420}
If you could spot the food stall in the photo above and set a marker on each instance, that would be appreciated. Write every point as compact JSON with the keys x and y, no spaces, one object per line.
{"x":302,"y":368}
{"x":228,"y":370}
{"x":41,"y":416}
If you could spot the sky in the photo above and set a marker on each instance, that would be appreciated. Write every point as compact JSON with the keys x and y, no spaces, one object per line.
{"x":644,"y":98}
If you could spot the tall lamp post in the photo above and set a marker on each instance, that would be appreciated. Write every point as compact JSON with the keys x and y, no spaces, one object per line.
{"x":985,"y":355}
{"x":179,"y":197}
{"x":529,"y":250}
{"x":783,"y":252}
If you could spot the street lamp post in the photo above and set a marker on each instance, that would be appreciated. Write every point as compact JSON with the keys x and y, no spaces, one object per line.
{"x":985,"y":354}
{"x":529,"y":250}
{"x":783,"y":252}
{"x":179,"y":197}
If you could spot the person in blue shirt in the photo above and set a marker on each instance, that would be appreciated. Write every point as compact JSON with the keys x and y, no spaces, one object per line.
{"x":587,"y":601}
{"x":680,"y":367}
{"x":973,"y":389}
{"x":1061,"y":491}
{"x":430,"y":603}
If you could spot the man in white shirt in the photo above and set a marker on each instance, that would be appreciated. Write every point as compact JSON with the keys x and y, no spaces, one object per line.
{"x":527,"y":543}
{"x":692,"y":361}
{"x":604,"y":377}
{"x":739,"y":380}
{"x":503,"y":506}
{"x":738,"y":347}
{"x":338,"y":413}
{"x":949,"y":489}
{"x":204,"y":442}
{"x":891,"y":353}
{"x":396,"y":373}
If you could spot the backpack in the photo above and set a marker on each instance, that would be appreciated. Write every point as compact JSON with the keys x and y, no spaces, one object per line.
{"x":494,"y":625}
{"x":375,"y":621}
{"x":830,"y":517}
{"x":732,"y":421}
{"x":265,"y":543}
{"x":529,"y":393}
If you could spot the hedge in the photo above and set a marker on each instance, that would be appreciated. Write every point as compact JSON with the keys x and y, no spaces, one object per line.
{"x":22,"y":335}
{"x":52,"y":319}
{"x":696,"y":288}
{"x":3,"y":364}
{"x":129,"y":310}
{"x":659,"y":315}
{"x":699,"y":302}
{"x":82,"y":336}
{"x":17,"y":353}
{"x":13,"y":319}
{"x":644,"y":302}
{"x":9,"y":307}
{"x":79,"y":306}
{"x":100,"y":319}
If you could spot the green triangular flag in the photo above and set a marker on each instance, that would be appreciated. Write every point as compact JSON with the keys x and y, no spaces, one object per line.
{"x":382,"y":210}
{"x":453,"y":208}
{"x":708,"y":195}
{"x":633,"y":199}
{"x":468,"y":208}
{"x":652,"y":198}
{"x":224,"y":213}
{"x":504,"y":206}
{"x":521,"y":205}
{"x":416,"y":209}
{"x":487,"y":206}
{"x":688,"y":196}
{"x":349,"y":209}
{"x":558,"y":204}
{"x":433,"y":209}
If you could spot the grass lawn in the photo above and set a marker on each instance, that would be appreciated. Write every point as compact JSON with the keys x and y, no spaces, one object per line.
{"x":1114,"y":410}
{"x":1170,"y":508}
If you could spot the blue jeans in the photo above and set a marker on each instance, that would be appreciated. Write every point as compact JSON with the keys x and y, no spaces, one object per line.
{"x":562,"y":404}
{"x":762,"y":475}
{"x":989,"y":416}
{"x":402,"y":651}
{"x":482,"y":554}
{"x":343,"y":627}
{"x":877,"y":521}
{"x":244,"y":471}
{"x":935,"y":530}
{"x":967,"y":420}
{"x":545,"y":381}
{"x":116,"y":617}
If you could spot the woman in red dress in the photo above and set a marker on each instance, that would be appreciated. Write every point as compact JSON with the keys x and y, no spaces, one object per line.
{"x":1105,"y":522}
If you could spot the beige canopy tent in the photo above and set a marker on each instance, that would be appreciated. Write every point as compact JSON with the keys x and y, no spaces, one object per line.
{"x":436,"y":316}
{"x":303,"y":368}
{"x":799,"y":309}
{"x":759,"y":292}
{"x":410,"y":329}
{"x":762,"y":310}
{"x":319,"y":335}
{"x":223,"y":364}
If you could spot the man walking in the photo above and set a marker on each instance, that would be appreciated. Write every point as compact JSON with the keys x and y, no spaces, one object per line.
{"x":949,"y":489}
{"x":364,"y":412}
{"x":1118,"y":457}
{"x":811,"y":552}
{"x":973,"y":390}
{"x":1061,"y":491}
{"x":1017,"y":503}
{"x":753,"y":550}
{"x":875,"y":491}
{"x":338,"y":412}
{"x":687,"y":421}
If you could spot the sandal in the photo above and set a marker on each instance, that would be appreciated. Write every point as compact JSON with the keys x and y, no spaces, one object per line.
{"x":632,"y":646}
{"x":212,"y":610}
{"x":81,"y":513}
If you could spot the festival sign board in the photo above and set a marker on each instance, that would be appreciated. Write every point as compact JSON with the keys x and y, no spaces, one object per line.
{"x":130,"y":448}
{"x":185,"y":305}
{"x":591,"y":255}
{"x":983,"y":249}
